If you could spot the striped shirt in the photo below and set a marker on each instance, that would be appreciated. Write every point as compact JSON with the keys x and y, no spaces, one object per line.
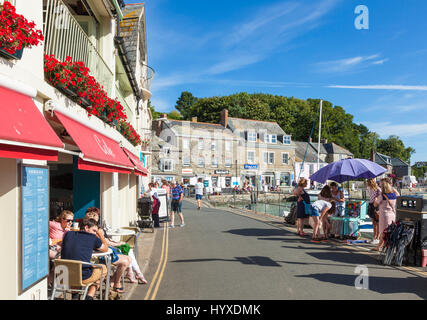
{"x":373,"y":194}
{"x":176,"y":192}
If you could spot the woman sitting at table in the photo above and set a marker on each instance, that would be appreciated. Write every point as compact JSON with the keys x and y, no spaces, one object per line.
{"x":57,"y":230}
{"x":133,"y":272}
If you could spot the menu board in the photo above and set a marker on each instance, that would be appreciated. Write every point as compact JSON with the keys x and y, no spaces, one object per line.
{"x":35,"y":224}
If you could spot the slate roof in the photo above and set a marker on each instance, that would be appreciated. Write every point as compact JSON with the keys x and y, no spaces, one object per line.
{"x":300,"y":151}
{"x":382,"y":159}
{"x":237,"y":124}
{"x":197,"y":128}
{"x":129,"y":27}
{"x":397,"y":162}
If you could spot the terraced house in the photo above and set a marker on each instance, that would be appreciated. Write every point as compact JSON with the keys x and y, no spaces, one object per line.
{"x":75,"y":128}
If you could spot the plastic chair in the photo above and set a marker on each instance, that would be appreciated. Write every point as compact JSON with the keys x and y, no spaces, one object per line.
{"x":74,"y":268}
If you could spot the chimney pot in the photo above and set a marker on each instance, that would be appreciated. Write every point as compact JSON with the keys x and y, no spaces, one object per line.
{"x":224,"y":118}
{"x":194,"y":119}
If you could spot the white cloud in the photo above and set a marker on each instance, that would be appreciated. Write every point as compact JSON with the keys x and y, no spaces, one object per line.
{"x":380,"y":87}
{"x":348,"y":64}
{"x":386,"y":129}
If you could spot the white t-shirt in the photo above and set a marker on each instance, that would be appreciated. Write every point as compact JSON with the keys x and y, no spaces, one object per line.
{"x":320,"y":205}
{"x":199,"y":188}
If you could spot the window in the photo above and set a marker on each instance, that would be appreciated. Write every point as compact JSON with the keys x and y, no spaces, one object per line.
{"x":215,"y":162}
{"x":285,"y":179}
{"x":227,"y":182}
{"x":252,"y":136}
{"x":270,"y":157}
{"x":167,"y":151}
{"x":285,"y":158}
{"x":167,"y":165}
{"x":201,"y":162}
{"x":228,"y":162}
{"x":185,"y":144}
{"x":271,"y":138}
{"x":286,"y":139}
{"x":227,"y":145}
{"x":213,"y":146}
{"x":251,"y":156}
{"x":186,"y":161}
{"x":201,"y":144}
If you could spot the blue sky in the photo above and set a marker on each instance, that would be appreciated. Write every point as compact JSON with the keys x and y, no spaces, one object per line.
{"x":305,"y":49}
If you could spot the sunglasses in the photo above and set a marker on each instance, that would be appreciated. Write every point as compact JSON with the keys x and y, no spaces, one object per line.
{"x":68,"y":220}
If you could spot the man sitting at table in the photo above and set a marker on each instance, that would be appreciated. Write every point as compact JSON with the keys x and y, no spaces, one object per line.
{"x":79,"y":246}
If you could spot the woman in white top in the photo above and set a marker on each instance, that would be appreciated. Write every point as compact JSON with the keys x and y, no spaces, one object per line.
{"x":199,"y":192}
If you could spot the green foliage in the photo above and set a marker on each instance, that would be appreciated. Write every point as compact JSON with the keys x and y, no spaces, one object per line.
{"x":174,"y":115}
{"x":154,"y":113}
{"x":296,"y":117}
{"x":419,"y":172}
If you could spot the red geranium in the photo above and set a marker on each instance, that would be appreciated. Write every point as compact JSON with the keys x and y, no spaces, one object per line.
{"x":16,"y":32}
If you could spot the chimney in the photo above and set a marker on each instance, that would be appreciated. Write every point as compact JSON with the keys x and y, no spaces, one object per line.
{"x":194,"y":119}
{"x":224,"y":118}
{"x":164,"y":116}
{"x":323,"y":140}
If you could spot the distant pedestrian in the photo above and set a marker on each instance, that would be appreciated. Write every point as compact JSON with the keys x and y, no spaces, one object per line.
{"x":177,"y":195}
{"x":302,"y":197}
{"x":152,"y":193}
{"x":374,"y":191}
{"x":199,"y":193}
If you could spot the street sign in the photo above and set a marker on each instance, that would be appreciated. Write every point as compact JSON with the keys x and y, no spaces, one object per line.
{"x":222,"y":172}
{"x":251,"y":166}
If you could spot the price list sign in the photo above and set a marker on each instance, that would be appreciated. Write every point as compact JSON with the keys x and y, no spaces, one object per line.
{"x":35,"y":224}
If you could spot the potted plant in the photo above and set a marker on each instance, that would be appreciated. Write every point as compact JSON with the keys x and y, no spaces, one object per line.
{"x":16,"y":32}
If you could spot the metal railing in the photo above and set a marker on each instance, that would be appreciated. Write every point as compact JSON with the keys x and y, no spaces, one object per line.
{"x":147,"y":77}
{"x":65,"y":37}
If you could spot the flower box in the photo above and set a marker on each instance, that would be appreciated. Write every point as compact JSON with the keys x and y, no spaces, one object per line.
{"x":12,"y":56}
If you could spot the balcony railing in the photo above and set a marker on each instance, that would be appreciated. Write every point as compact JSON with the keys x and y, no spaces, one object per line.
{"x":64,"y":37}
{"x":147,"y":77}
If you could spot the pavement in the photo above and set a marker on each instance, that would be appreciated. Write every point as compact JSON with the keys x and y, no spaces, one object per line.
{"x":224,"y":240}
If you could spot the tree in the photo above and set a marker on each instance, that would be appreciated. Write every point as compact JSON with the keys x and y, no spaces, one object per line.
{"x":174,"y":115}
{"x":154,"y":113}
{"x":395,"y":148}
{"x":185,"y":105}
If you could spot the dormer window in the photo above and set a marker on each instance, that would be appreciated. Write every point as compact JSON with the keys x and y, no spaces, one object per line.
{"x":286,"y":139}
{"x":271,"y":138}
{"x":252,"y":136}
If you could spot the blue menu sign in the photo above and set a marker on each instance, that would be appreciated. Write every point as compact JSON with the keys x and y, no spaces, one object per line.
{"x":251,"y":166}
{"x":35,"y":224}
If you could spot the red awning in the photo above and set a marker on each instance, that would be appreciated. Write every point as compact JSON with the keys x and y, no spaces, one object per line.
{"x":24,"y":132}
{"x":139,"y":166}
{"x":100,"y":153}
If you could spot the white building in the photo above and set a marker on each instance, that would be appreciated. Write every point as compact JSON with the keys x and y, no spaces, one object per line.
{"x":49,"y":141}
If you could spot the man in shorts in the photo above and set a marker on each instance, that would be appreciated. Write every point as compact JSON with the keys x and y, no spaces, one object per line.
{"x":177,"y":195}
{"x":199,"y":193}
{"x":79,"y":246}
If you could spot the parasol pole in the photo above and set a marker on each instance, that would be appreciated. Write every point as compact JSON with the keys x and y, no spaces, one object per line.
{"x":320,"y":133}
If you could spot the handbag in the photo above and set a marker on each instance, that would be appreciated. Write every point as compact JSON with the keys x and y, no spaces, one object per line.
{"x":114,"y":255}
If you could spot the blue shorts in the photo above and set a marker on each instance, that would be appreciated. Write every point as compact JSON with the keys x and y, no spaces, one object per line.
{"x":199,"y":197}
{"x":314,"y":212}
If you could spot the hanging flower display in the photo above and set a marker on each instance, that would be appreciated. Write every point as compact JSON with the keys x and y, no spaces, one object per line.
{"x":16,"y":32}
{"x":75,"y":81}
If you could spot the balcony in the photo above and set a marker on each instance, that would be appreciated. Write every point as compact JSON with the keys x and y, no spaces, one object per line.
{"x":65,"y":37}
{"x":147,"y":80}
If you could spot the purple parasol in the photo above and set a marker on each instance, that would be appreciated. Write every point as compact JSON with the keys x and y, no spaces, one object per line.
{"x":348,"y":169}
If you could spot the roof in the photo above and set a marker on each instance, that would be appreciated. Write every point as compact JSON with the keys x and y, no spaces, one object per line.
{"x":300,"y":151}
{"x":382,"y":159}
{"x":336,"y":149}
{"x":237,"y":124}
{"x":397,"y":162}
{"x":181,"y":127}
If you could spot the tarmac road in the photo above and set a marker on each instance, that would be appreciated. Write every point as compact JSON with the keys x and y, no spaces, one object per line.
{"x":219,"y":255}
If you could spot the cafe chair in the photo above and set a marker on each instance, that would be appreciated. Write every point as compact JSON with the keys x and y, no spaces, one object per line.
{"x":74,"y":268}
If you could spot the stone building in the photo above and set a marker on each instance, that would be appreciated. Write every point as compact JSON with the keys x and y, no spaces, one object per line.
{"x":197,"y":150}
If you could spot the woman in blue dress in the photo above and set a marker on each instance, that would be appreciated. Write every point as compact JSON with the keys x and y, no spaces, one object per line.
{"x":302,"y":197}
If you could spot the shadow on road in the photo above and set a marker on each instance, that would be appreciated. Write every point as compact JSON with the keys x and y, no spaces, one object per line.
{"x":384,"y":285}
{"x":254,"y":232}
{"x":254,"y":260}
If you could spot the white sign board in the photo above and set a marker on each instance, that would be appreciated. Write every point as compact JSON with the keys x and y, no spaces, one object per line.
{"x":163,"y":210}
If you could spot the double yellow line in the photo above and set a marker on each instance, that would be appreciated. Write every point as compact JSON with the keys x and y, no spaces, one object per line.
{"x":157,"y":279}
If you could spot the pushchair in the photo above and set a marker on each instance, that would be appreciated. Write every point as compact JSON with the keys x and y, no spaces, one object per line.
{"x":144,"y":212}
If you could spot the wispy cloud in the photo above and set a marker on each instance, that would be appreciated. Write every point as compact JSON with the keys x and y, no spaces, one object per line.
{"x":348,"y":64}
{"x":386,"y":129}
{"x":380,"y":87}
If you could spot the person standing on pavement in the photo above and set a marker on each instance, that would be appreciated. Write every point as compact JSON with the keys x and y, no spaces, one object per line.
{"x":374,"y":191}
{"x":152,"y":193}
{"x":302,"y":197}
{"x":386,"y":203}
{"x":338,"y":196}
{"x":177,"y":196}
{"x":199,"y":193}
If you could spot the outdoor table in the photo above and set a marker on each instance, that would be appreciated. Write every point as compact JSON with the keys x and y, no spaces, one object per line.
{"x":107,"y":256}
{"x":125,"y":232}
